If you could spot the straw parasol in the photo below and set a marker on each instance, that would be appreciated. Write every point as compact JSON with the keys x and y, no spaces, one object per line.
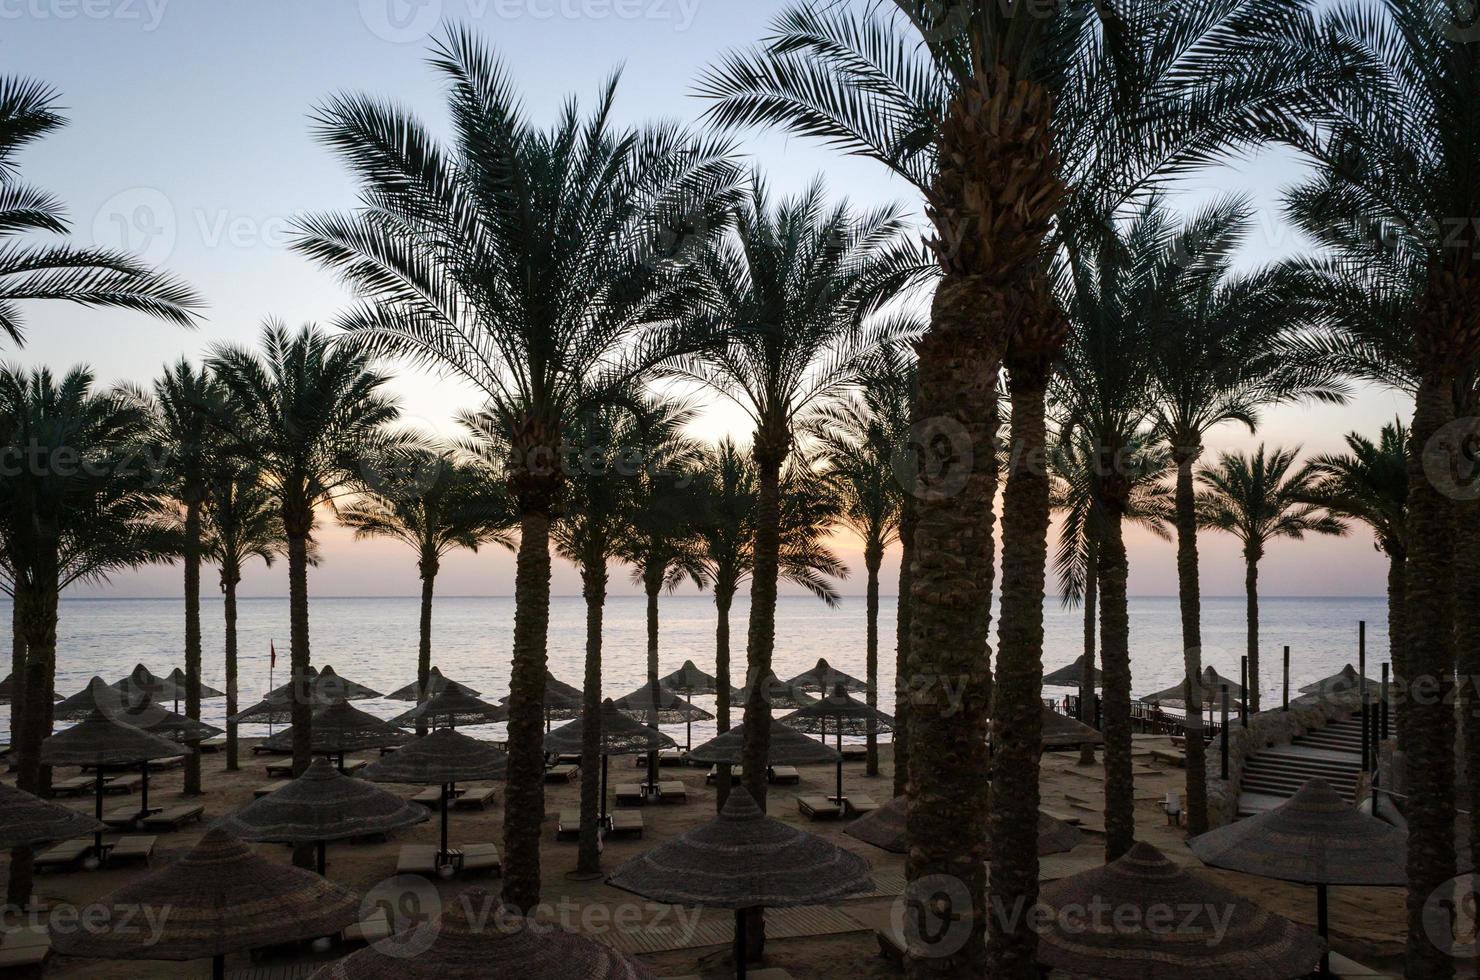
{"x":745,"y":860}
{"x":1113,"y":922}
{"x":27,"y":820}
{"x":442,"y":758}
{"x":1344,"y":680}
{"x":885,"y":828}
{"x":177,"y":678}
{"x":436,"y":684}
{"x":1060,"y":731}
{"x":776,"y":693}
{"x":824,"y":677}
{"x":142,"y":682}
{"x":689,"y":680}
{"x":475,"y":938}
{"x":452,"y":708}
{"x":98,"y":695}
{"x":620,"y":735}
{"x":788,"y":747}
{"x":849,"y":716}
{"x":562,"y":702}
{"x":1313,"y":838}
{"x":327,"y":686}
{"x":319,"y":806}
{"x":220,"y":898}
{"x":1070,"y":674}
{"x":1211,"y":683}
{"x":101,"y":742}
{"x":659,"y":705}
{"x":159,"y":720}
{"x":338,"y":729}
{"x":7,"y":691}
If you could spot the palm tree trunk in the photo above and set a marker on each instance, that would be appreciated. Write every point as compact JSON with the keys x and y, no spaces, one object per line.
{"x":428,"y":567}
{"x":40,"y":626}
{"x":873,"y":557}
{"x":1091,"y":626}
{"x":1429,"y":649}
{"x":1189,"y":599}
{"x":298,"y":650}
{"x":524,"y":806}
{"x":230,"y":576}
{"x":1120,"y":794}
{"x":1017,"y":705}
{"x":1251,"y":598}
{"x":761,"y":637}
{"x":902,"y":647}
{"x":653,"y":584}
{"x":593,"y":579}
{"x":17,"y":662}
{"x":1467,"y":628}
{"x":1397,"y":635}
{"x":724,"y":596}
{"x":192,"y":637}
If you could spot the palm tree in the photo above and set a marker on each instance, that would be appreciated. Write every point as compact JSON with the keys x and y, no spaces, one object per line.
{"x":310,"y":413}
{"x":86,"y":276}
{"x":434,"y":504}
{"x":187,"y":403}
{"x":951,"y":97}
{"x":1258,"y":500}
{"x":543,"y":268}
{"x":243,"y":522}
{"x":1369,"y":484}
{"x":792,"y":290}
{"x":81,"y":508}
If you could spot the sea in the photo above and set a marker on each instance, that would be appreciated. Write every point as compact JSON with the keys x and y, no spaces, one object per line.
{"x":374,"y":641}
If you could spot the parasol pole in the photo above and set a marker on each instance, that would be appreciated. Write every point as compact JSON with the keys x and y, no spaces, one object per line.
{"x":98,"y":809}
{"x":446,"y":805}
{"x":740,"y":943}
{"x":1323,"y":928}
{"x":1286,"y":705}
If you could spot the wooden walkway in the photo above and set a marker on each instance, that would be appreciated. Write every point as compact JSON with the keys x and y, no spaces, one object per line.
{"x":1273,"y":775}
{"x":719,"y":930}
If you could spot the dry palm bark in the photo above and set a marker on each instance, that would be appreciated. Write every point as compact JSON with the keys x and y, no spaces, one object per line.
{"x":193,"y":536}
{"x":1091,"y":630}
{"x":902,"y":646}
{"x":873,"y":557}
{"x":770,"y":450}
{"x":427,"y":565}
{"x":525,"y":787}
{"x":297,"y":524}
{"x":724,"y":595}
{"x":1253,"y":552}
{"x":1120,"y":816}
{"x":1189,"y":598}
{"x":593,"y":587}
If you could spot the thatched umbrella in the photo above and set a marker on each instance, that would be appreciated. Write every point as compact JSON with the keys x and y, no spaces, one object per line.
{"x":1113,"y":922}
{"x":100,"y":742}
{"x":7,"y":691}
{"x":142,"y":682}
{"x":885,"y":828}
{"x":620,"y":735}
{"x":848,"y":715}
{"x":220,"y":898}
{"x":441,"y":758}
{"x":1344,"y":680}
{"x":659,"y":705}
{"x":824,"y":677}
{"x":1060,"y":731}
{"x":475,"y":938}
{"x":1211,"y":683}
{"x":319,"y":806}
{"x":177,"y":678}
{"x":436,"y":684}
{"x":689,"y":680}
{"x":27,"y":820}
{"x":745,"y":860}
{"x":277,"y":709}
{"x":776,"y":692}
{"x":159,"y":720}
{"x":1070,"y":674}
{"x":98,"y":695}
{"x":788,"y":747}
{"x":452,"y":708}
{"x":1313,"y":838}
{"x":562,"y":702}
{"x":338,"y":729}
{"x":325,"y":685}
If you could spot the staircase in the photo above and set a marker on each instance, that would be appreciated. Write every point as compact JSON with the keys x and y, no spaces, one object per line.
{"x":1273,"y":775}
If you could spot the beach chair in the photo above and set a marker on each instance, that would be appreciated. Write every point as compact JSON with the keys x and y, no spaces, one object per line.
{"x":72,"y":786}
{"x":568,"y":758}
{"x":280,"y":770}
{"x":568,"y":827}
{"x":475,"y":798}
{"x":137,"y":847}
{"x":267,"y":788}
{"x":770,"y":973}
{"x":123,"y":784}
{"x":23,"y":947}
{"x":374,"y":928}
{"x":629,"y":794}
{"x":175,"y":817}
{"x":123,"y":817}
{"x":431,"y":797}
{"x":818,"y":808}
{"x":565,"y":772}
{"x":673,"y":791}
{"x":480,"y":859}
{"x":352,"y":766}
{"x":784,"y":775}
{"x":213,"y":745}
{"x":626,"y":822}
{"x":173,"y":762}
{"x":417,"y":859}
{"x":64,"y":854}
{"x":673,"y":757}
{"x":860,"y":804}
{"x":855,"y":753}
{"x":736,"y":772}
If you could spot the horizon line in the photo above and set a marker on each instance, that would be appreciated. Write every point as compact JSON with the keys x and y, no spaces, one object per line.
{"x":576,"y":595}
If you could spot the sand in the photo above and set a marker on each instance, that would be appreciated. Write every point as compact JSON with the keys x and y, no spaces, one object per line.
{"x":1366,"y":923}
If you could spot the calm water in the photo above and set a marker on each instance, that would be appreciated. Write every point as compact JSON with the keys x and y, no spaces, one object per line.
{"x":374,"y":640}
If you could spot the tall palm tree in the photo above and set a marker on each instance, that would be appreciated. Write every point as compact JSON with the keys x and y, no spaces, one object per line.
{"x":1369,"y":484}
{"x":81,"y":508}
{"x":187,"y":403}
{"x":793,"y":291}
{"x":434,"y":504}
{"x":244,"y":522}
{"x":310,"y":413}
{"x":86,"y":276}
{"x":1259,"y":499}
{"x":950,"y":97}
{"x":543,"y":268}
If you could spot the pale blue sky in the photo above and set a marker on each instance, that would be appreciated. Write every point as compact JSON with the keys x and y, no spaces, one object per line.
{"x":189,"y":141}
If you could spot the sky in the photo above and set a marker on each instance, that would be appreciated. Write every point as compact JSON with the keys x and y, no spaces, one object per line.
{"x":189,"y":143}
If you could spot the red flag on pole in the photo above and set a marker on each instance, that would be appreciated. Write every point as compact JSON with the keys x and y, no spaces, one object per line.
{"x":272,"y":647}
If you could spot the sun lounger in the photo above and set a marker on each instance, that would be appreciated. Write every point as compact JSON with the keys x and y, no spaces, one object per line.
{"x":784,"y":775}
{"x":855,"y":753}
{"x":673,"y":757}
{"x":673,"y":791}
{"x":431,"y":797}
{"x":818,"y":807}
{"x":72,"y":785}
{"x":475,"y":798}
{"x":261,"y":748}
{"x":564,"y":773}
{"x":213,"y":745}
{"x":569,"y":758}
{"x":480,"y":859}
{"x":352,"y":766}
{"x":417,"y":859}
{"x":280,"y":770}
{"x":132,"y":848}
{"x":770,"y":973}
{"x":173,"y":762}
{"x":124,"y":784}
{"x":860,"y":804}
{"x":23,"y":947}
{"x":629,"y":794}
{"x":175,"y":817}
{"x":736,"y":772}
{"x":372,"y":929}
{"x":124,"y":817}
{"x":386,"y":750}
{"x":267,"y":788}
{"x":568,"y":827}
{"x":65,"y":854}
{"x":626,"y":822}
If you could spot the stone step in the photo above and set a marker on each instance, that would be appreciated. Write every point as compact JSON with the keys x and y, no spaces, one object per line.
{"x":1301,"y":767}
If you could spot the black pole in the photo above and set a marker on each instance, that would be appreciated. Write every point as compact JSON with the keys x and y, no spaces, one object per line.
{"x":218,"y":967}
{"x":144,"y":791}
{"x":740,"y":943}
{"x":1243,"y":707}
{"x":1286,"y":704}
{"x":603,"y":787}
{"x":1362,"y":695}
{"x":446,"y":805}
{"x":1323,"y":929}
{"x":1384,"y":704}
{"x":323,"y":855}
{"x":98,"y":809}
{"x":840,"y":762}
{"x":1223,"y":734}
